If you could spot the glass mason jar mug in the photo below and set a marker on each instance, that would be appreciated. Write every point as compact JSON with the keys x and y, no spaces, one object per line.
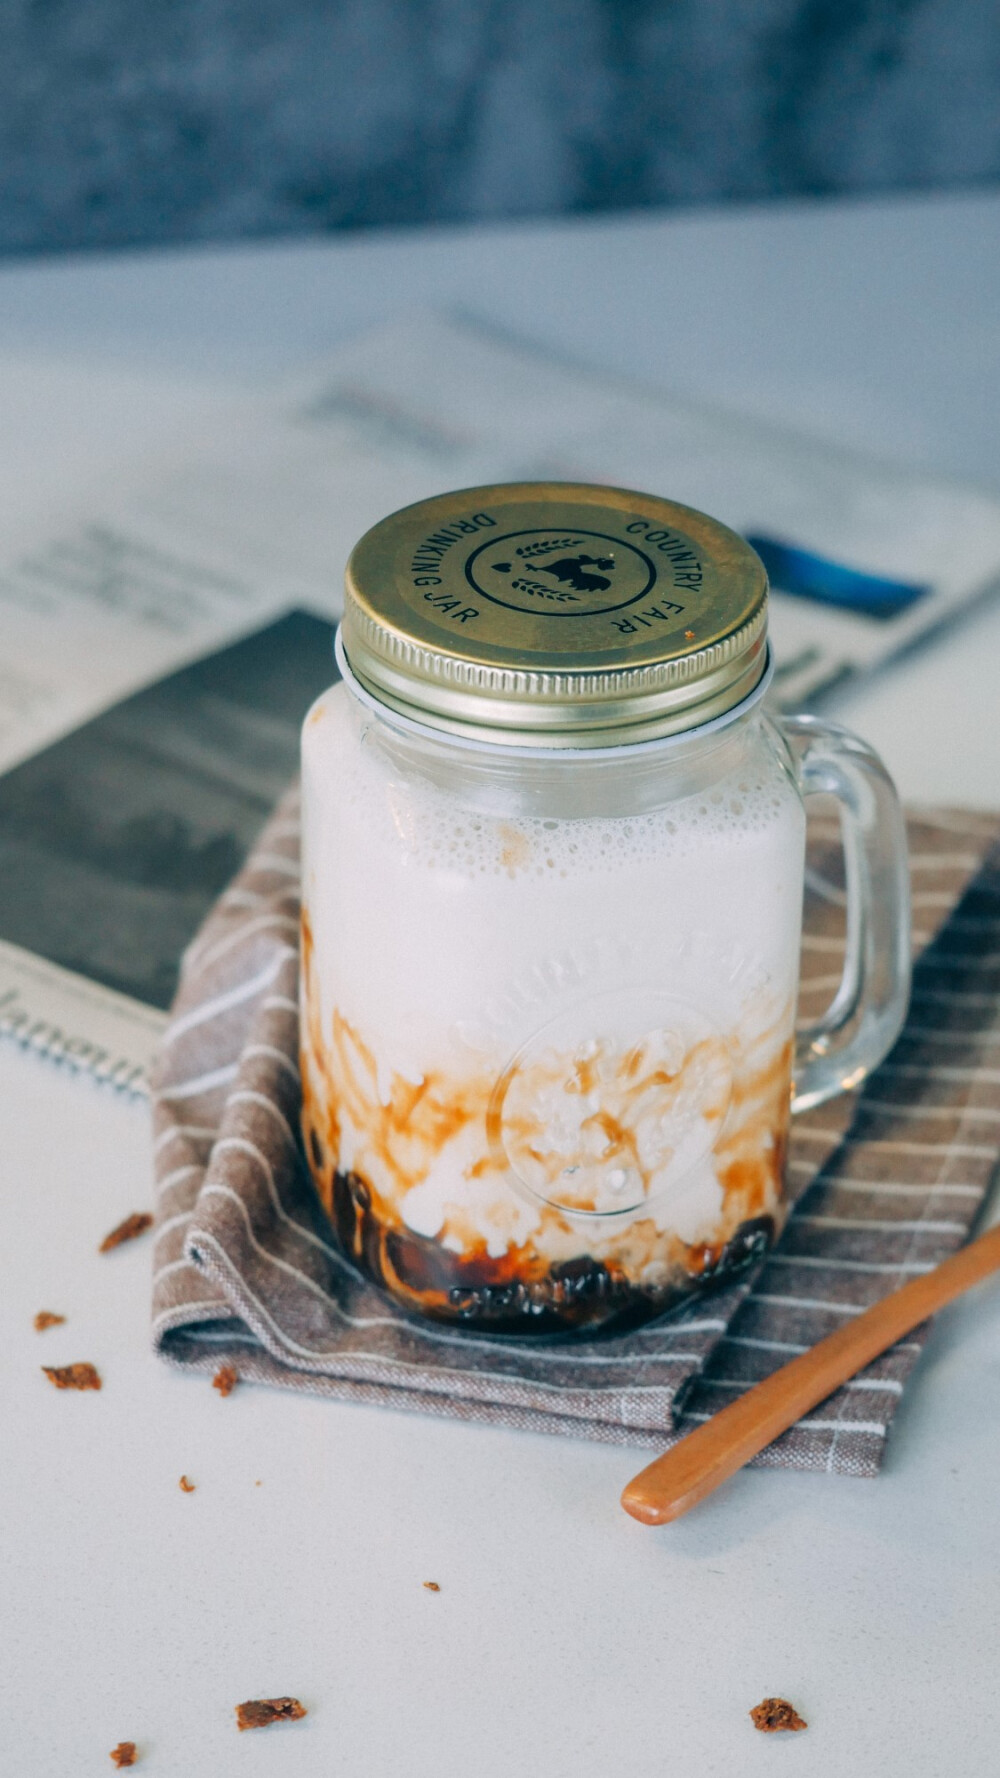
{"x":553,"y":857}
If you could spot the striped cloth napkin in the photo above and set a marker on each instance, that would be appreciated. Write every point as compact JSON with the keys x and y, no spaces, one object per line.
{"x":888,"y":1182}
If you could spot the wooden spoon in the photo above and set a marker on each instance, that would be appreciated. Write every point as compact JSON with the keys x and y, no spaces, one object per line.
{"x":676,"y":1481}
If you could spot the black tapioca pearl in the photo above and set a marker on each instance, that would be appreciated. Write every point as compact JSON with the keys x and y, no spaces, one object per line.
{"x":464,"y":1300}
{"x":579,"y":1278}
{"x":750,"y":1242}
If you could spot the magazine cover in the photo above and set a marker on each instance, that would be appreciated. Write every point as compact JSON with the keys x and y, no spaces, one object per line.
{"x":116,"y":840}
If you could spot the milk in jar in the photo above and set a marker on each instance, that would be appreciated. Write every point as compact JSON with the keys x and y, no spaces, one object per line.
{"x":550,"y":968}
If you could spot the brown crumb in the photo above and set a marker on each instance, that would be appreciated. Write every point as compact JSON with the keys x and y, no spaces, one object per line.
{"x":776,"y":1713}
{"x":72,"y":1376}
{"x":124,"y":1754}
{"x":225,"y":1379}
{"x":256,"y":1484}
{"x":689,"y":635}
{"x":256,"y":1713}
{"x":186,"y":1486}
{"x":432,"y":1586}
{"x":134,"y":1225}
{"x":45,"y":1318}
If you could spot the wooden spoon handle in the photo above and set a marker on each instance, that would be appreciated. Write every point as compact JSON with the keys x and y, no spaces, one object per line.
{"x":676,"y":1481}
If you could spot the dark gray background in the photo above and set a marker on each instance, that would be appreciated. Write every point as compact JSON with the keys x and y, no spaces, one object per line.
{"x":129,"y":121}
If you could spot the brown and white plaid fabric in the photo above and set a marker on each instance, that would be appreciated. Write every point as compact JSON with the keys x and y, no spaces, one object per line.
{"x":889,"y":1182}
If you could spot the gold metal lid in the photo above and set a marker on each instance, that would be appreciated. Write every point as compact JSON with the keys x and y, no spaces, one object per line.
{"x":555,"y":614}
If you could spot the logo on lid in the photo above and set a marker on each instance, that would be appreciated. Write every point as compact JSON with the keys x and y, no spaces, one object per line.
{"x":571,"y":573}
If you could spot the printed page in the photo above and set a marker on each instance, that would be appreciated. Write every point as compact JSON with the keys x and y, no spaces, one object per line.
{"x":863,"y":558}
{"x":259,"y":513}
{"x":262,"y":510}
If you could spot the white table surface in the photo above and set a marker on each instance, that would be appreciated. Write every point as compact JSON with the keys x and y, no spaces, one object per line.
{"x":566,"y":1640}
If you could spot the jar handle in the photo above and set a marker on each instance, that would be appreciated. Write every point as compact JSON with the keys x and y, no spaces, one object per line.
{"x":868,"y":1010}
